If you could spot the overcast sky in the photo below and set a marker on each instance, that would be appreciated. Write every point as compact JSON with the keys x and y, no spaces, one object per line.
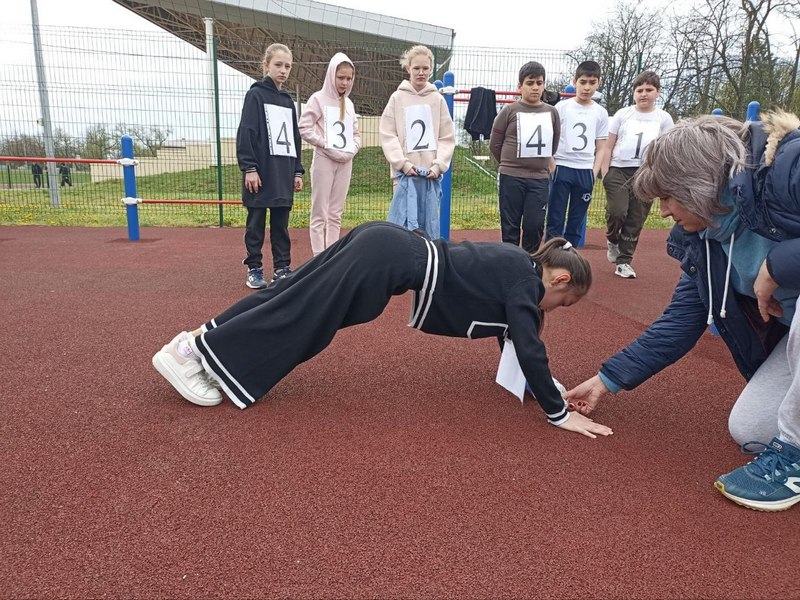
{"x":558,"y":24}
{"x":76,"y":83}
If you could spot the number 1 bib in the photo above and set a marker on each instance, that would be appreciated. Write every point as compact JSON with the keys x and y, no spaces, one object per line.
{"x":280,"y":130}
{"x":338,"y":133}
{"x":534,"y":135}
{"x":419,"y":128}
{"x":636,"y":136}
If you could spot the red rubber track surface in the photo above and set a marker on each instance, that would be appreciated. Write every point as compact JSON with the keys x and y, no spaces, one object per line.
{"x":390,"y":466}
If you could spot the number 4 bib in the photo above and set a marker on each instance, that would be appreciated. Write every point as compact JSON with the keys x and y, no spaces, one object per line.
{"x":280,"y":130}
{"x":534,"y":135}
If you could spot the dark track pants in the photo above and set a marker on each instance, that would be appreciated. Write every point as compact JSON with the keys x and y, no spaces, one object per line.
{"x":571,"y":187}
{"x":522,"y":206}
{"x":279,"y":241}
{"x":256,"y":342}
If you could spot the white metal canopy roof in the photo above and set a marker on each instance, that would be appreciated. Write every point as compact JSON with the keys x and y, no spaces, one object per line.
{"x":312,"y":30}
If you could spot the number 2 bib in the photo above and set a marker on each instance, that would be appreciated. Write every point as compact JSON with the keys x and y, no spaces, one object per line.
{"x":338,"y":133}
{"x":534,"y":135}
{"x":419,"y":128}
{"x":280,"y":130}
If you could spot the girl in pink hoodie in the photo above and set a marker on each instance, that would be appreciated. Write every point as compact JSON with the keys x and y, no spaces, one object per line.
{"x":329,"y":124}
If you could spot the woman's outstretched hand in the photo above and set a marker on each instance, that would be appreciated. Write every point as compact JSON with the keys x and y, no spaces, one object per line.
{"x":584,"y":425}
{"x":583,"y":398}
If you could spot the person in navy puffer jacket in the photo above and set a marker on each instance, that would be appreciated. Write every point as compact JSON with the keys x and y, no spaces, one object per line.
{"x":733,"y":190}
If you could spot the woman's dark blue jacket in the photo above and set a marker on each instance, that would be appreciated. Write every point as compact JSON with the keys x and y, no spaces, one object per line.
{"x":768,"y":199}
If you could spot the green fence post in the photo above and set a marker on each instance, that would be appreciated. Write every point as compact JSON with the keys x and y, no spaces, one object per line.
{"x":218,"y":132}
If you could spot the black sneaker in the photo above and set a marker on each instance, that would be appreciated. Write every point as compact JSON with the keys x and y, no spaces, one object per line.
{"x":281,"y":273}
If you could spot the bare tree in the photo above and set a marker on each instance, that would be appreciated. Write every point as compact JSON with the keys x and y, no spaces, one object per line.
{"x":21,"y":144}
{"x":627,"y":43}
{"x":99,"y":142}
{"x":700,"y":39}
{"x":64,"y":145}
{"x":718,"y":53}
{"x":151,"y":138}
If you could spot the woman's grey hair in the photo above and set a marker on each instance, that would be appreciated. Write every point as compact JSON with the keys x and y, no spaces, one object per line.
{"x":692,"y":163}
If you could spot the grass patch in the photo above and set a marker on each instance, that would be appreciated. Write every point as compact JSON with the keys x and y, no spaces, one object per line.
{"x":473,"y":204}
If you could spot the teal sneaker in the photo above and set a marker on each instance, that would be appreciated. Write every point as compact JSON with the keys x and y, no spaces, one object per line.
{"x":769,"y":482}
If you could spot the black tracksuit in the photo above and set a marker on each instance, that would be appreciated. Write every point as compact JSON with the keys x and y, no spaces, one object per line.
{"x":472,"y":290}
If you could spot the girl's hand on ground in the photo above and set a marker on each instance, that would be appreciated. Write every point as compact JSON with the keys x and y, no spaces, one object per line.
{"x":584,"y":398}
{"x":298,"y":184}
{"x":584,"y":425}
{"x":252,"y":182}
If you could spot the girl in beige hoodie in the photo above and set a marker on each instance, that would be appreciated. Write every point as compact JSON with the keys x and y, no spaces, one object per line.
{"x":329,"y":124}
{"x":416,"y":129}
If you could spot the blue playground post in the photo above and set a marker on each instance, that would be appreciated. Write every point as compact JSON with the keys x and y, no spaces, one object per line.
{"x":447,"y":178}
{"x":717,"y":112}
{"x":753,"y":110}
{"x":129,"y":178}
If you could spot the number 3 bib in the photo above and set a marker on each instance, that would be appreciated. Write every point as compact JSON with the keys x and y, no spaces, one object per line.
{"x":280,"y":130}
{"x":338,"y":133}
{"x":534,"y":135}
{"x":419,"y":128}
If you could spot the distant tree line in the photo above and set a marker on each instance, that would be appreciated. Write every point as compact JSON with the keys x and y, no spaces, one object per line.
{"x":718,"y":54}
{"x":99,"y":141}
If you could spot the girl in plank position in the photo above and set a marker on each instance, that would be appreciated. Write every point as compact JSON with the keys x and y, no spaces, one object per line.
{"x":472,"y":290}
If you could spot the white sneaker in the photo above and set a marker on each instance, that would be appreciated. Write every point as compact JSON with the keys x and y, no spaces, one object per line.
{"x":613,"y":252}
{"x":186,"y":336}
{"x":186,"y":375}
{"x":626,"y":271}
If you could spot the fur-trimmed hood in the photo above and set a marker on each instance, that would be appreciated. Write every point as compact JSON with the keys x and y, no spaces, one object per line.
{"x":777,"y":125}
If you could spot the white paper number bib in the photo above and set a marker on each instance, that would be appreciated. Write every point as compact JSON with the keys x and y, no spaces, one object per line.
{"x":338,"y":133}
{"x":580,"y":136}
{"x":509,"y":373}
{"x":280,"y":130}
{"x":635,"y":138}
{"x":419,"y":129}
{"x":534,"y":135}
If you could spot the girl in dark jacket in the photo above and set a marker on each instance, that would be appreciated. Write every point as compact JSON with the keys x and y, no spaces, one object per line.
{"x":733,"y":190}
{"x":268,"y":151}
{"x":472,"y":290}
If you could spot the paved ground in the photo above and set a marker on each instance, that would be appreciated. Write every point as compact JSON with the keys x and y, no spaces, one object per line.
{"x":390,"y":466}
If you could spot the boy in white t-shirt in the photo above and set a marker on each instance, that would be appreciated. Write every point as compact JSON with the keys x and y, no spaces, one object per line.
{"x":584,"y":131}
{"x":630,"y":131}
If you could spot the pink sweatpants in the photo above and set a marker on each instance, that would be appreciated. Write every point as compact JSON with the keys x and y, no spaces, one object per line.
{"x":330,"y":181}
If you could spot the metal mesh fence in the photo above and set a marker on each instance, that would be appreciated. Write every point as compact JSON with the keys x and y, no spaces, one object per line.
{"x":103,"y":84}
